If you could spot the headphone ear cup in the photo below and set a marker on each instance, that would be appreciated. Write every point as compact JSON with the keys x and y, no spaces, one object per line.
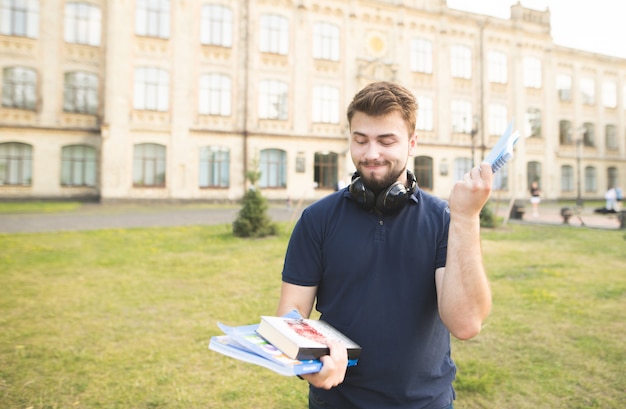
{"x":394,"y":197}
{"x":361,"y":194}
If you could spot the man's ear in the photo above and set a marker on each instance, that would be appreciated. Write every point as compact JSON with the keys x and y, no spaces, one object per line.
{"x":413,"y":144}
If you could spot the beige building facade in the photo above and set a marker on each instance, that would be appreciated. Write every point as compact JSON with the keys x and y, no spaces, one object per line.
{"x":178,"y":100}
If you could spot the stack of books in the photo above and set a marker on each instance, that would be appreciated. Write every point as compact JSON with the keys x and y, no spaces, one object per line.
{"x":288,"y":345}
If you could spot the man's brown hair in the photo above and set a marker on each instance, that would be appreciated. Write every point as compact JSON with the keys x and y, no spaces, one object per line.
{"x":382,"y":98}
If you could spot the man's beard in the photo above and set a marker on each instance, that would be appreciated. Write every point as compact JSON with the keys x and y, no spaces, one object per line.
{"x":378,"y":185}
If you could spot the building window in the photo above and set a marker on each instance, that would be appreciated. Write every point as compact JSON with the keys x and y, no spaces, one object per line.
{"x":498,"y":70}
{"x":611,"y":137}
{"x":421,"y":56}
{"x":461,"y":167}
{"x":533,"y":123}
{"x":149,"y":165}
{"x":16,"y":164}
{"x":326,"y":42}
{"x":564,"y":87}
{"x":424,"y":172}
{"x":273,"y":99}
{"x":80,"y":93}
{"x":216,"y":25}
{"x":273,"y":168}
{"x":589,"y":138}
{"x":591,"y":183}
{"x":83,"y":24}
{"x":19,"y":88}
{"x":609,"y":94}
{"x":588,"y":91}
{"x":498,"y":119}
{"x":214,"y":167}
{"x":78,"y":165}
{"x":214,"y":95}
{"x":612,"y":177}
{"x":565,"y":132}
{"x":533,"y":171}
{"x":424,"y":114}
{"x":461,"y":116}
{"x":19,"y":18}
{"x":325,"y":104}
{"x":325,"y":170}
{"x":274,"y":34}
{"x":501,"y":178}
{"x":151,"y":90}
{"x":461,"y":59}
{"x":152,"y":18}
{"x":532,"y":72}
{"x":567,"y":178}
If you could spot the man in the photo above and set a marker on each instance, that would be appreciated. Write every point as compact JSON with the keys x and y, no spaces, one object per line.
{"x":394,"y":268}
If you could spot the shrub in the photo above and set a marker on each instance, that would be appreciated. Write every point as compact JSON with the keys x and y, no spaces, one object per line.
{"x":252,"y":220}
{"x":487,"y":218}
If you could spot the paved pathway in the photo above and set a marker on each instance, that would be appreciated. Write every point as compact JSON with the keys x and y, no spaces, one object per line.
{"x":92,"y":216}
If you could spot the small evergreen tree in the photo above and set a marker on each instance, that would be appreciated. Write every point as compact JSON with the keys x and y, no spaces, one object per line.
{"x":252,"y":220}
{"x":487,"y":218}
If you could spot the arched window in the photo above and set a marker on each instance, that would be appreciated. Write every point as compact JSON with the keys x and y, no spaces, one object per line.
{"x":16,"y":164}
{"x":214,"y":167}
{"x":78,"y":165}
{"x":273,"y":168}
{"x":149,"y":165}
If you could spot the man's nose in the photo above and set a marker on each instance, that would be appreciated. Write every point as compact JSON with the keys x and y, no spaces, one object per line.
{"x":372,"y":151}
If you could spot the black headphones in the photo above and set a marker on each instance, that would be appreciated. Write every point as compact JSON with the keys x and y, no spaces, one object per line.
{"x":389,"y":200}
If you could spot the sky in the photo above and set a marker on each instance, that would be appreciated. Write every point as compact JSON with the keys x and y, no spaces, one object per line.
{"x":591,"y":25}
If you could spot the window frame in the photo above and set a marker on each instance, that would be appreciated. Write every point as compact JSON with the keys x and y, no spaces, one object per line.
{"x":325,"y":104}
{"x":326,"y":41}
{"x":497,"y":63}
{"x":16,"y":164}
{"x":216,"y":25}
{"x":149,"y":162}
{"x":533,"y":75}
{"x":461,"y":61}
{"x":19,"y":88}
{"x":214,"y":167}
{"x":421,"y":56}
{"x":274,"y":34}
{"x":325,"y":170}
{"x":83,"y":24}
{"x":151,"y":89}
{"x":215,"y":94}
{"x":80,"y":92}
{"x":273,"y":168}
{"x":79,"y":166}
{"x":273,"y":100}
{"x":152,"y":18}
{"x":19,"y":18}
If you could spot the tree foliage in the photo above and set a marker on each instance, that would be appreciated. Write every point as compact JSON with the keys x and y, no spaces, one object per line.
{"x":253,"y":220}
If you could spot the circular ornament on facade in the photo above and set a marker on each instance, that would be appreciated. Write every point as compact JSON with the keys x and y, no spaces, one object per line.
{"x":376,"y":44}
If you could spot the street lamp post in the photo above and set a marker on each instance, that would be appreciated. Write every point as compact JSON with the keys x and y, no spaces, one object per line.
{"x":579,"y":152}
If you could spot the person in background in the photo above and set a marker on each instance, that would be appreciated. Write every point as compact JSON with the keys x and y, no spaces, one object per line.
{"x":611,"y":200}
{"x":394,"y":268}
{"x":535,"y":197}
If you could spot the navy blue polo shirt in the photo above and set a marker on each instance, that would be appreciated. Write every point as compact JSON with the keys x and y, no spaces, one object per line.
{"x":376,"y":283}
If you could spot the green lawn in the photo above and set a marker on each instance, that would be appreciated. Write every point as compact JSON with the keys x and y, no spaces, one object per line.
{"x":122,"y":319}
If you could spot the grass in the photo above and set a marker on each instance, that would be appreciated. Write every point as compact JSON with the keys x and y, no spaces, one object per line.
{"x":121,"y":318}
{"x":38,"y":207}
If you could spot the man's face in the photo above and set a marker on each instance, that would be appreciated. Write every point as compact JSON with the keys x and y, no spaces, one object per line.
{"x":380,"y":147}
